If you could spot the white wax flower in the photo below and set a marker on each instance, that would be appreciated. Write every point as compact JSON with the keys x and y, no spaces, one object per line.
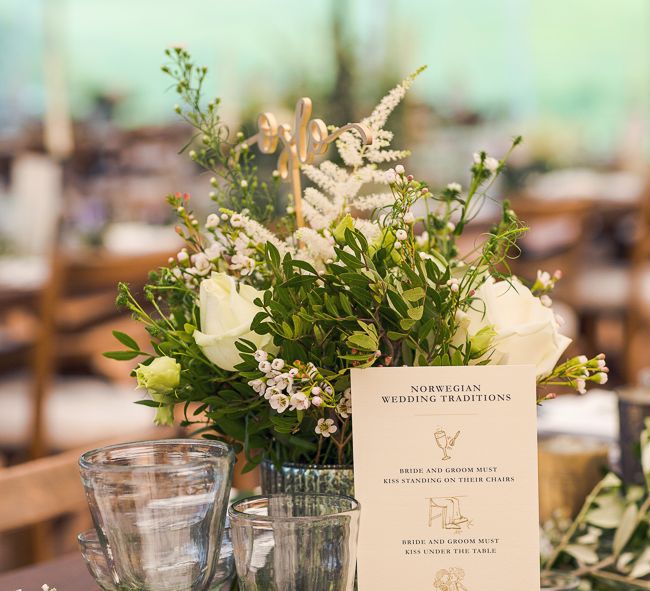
{"x":279,"y":402}
{"x":214,"y":251}
{"x":300,"y":401}
{"x":326,"y":427}
{"x":201,"y":263}
{"x":226,"y":316}
{"x":525,"y":331}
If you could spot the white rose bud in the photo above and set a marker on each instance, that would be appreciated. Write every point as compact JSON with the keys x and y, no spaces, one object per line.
{"x":160,"y":378}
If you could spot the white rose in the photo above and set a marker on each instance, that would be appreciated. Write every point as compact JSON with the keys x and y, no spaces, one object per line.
{"x":226,"y":316}
{"x":526,"y":332}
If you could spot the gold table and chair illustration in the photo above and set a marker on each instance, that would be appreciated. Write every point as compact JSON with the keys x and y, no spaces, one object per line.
{"x":448,"y":510}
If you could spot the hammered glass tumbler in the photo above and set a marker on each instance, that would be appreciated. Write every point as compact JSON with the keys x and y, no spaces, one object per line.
{"x":295,"y":542}
{"x":159,"y":509}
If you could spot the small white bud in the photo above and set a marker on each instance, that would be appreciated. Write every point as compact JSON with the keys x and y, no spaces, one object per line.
{"x":491,"y":164}
{"x":399,"y":169}
{"x":390,"y":176}
{"x":212,"y":221}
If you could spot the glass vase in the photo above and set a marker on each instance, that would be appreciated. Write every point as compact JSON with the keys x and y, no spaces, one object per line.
{"x":306,"y":478}
{"x":295,"y":542}
{"x":159,"y":509}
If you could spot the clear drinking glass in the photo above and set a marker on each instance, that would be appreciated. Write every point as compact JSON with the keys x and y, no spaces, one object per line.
{"x":159,"y":509}
{"x":95,"y":559}
{"x":295,"y":542}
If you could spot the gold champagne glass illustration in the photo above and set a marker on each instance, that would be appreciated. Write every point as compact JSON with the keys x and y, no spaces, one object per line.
{"x":445,"y":443}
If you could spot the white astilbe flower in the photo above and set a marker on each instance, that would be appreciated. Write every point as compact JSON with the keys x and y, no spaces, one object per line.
{"x":319,"y":248}
{"x":320,"y":211}
{"x":262,"y":235}
{"x":326,"y":206}
{"x":338,"y":173}
{"x":386,"y":155}
{"x":374,"y":201}
{"x":370,"y":229}
{"x":340,"y":188}
{"x":337,"y":183}
{"x":322,"y":178}
{"x":314,"y":218}
{"x":349,"y":148}
{"x":371,"y":174}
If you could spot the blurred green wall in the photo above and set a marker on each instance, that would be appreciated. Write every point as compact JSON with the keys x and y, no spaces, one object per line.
{"x":583,"y":61}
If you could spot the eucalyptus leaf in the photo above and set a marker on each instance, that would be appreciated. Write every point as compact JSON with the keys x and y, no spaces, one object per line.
{"x":583,"y":554}
{"x":606,"y":517}
{"x":641,"y":566}
{"x":625,"y":530}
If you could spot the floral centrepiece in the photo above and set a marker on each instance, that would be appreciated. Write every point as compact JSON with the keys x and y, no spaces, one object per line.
{"x":265,"y":318}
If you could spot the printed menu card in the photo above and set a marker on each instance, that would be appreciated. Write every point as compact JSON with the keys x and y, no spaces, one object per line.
{"x":445,"y":469}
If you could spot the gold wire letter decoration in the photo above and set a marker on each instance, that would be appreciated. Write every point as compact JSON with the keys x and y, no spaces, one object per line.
{"x":308,"y":138}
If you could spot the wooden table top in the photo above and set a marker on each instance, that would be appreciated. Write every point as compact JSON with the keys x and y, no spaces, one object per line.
{"x":68,"y":573}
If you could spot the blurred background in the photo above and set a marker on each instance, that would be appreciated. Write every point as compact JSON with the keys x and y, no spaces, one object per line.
{"x":89,"y":147}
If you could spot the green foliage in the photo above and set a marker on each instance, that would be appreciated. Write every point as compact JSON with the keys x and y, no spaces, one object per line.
{"x":608,"y":544}
{"x":236,"y":185}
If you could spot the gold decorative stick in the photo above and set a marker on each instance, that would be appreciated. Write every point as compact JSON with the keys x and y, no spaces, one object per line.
{"x":307,"y":139}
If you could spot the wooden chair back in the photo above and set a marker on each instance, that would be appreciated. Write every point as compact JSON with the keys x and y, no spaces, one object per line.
{"x":73,"y":277}
{"x":637,"y":328}
{"x":39,"y":490}
{"x":555,"y":239}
